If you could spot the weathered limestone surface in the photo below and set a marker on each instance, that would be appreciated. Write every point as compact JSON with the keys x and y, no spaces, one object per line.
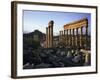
{"x":74,"y":38}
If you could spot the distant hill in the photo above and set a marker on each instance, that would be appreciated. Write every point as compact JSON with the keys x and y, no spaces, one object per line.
{"x":33,"y":39}
{"x":36,"y":32}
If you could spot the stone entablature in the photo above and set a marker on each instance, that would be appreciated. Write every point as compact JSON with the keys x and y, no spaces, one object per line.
{"x":76,"y":24}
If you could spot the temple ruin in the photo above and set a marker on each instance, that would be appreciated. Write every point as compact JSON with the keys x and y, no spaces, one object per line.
{"x":71,"y":35}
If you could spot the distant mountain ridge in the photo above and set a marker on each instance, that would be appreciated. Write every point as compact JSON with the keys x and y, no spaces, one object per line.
{"x":41,"y":36}
{"x":36,"y":32}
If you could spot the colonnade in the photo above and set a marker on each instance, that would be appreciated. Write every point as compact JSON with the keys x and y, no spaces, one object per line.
{"x":75,"y":34}
{"x":73,"y":37}
{"x":49,"y":35}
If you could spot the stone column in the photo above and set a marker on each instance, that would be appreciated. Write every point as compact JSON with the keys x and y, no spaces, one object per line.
{"x":51,"y":36}
{"x":70,"y":37}
{"x":46,"y":37}
{"x":73,"y":37}
{"x":67,"y":37}
{"x":81,"y":35}
{"x":62,"y":33}
{"x":64,"y":36}
{"x":87,"y":58}
{"x":50,"y":25}
{"x":60,"y":36}
{"x":86,"y":39}
{"x":76,"y":37}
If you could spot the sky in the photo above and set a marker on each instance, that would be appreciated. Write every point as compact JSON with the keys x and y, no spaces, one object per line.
{"x":38,"y":20}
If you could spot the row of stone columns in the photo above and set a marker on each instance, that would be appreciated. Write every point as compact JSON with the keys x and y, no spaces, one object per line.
{"x":75,"y":40}
{"x":49,"y":35}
